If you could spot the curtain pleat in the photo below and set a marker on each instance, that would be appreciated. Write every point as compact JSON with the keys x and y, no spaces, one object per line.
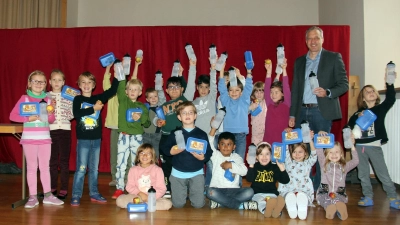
{"x":30,"y":13}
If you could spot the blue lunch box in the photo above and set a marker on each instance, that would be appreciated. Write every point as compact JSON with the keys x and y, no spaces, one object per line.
{"x":196,"y":145}
{"x":327,"y":141}
{"x":69,"y":93}
{"x":29,"y":108}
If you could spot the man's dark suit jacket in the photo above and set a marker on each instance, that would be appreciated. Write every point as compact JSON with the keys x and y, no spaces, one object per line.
{"x":331,"y":75}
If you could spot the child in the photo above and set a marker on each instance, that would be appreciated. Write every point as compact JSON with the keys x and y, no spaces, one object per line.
{"x":369,"y":145}
{"x":237,"y":101}
{"x":36,"y":141}
{"x":130,"y":133}
{"x":205,"y":103}
{"x":263,"y":176}
{"x":60,"y":133}
{"x":278,"y":104}
{"x":225,"y":74}
{"x":299,"y":192}
{"x":152,"y":134}
{"x":142,"y":176}
{"x":224,"y":192}
{"x":112,"y":122}
{"x":88,"y":133}
{"x":175,"y":87}
{"x":258,"y":121}
{"x":331,"y":193}
{"x":187,"y":168}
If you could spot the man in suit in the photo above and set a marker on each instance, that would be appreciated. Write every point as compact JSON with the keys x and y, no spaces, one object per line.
{"x":321,"y":105}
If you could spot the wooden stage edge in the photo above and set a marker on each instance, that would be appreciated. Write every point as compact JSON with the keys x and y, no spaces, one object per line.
{"x":109,"y":213}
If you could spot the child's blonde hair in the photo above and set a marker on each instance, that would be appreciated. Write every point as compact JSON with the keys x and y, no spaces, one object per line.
{"x":88,"y":75}
{"x":259,"y":85}
{"x":57,"y":71}
{"x":134,"y":82}
{"x":342,"y":160}
{"x":360,"y":99}
{"x":143,"y":147}
{"x":36,"y":72}
{"x":292,"y":147}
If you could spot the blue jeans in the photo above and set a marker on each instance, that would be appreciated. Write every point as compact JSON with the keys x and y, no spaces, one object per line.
{"x":240,"y":141}
{"x":87,"y":157}
{"x":317,"y":123}
{"x":230,"y":197}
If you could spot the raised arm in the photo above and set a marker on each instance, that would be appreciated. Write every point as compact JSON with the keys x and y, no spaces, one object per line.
{"x":107,"y":77}
{"x":191,"y":85}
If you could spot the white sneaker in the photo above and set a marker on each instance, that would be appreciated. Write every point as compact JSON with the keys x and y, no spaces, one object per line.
{"x":250,"y":205}
{"x":214,"y":204}
{"x":167,"y":194}
{"x":291,"y":205}
{"x":302,"y":205}
{"x":32,"y":202}
{"x":52,"y":200}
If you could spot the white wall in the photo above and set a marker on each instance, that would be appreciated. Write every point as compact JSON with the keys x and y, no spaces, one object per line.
{"x":382,"y":39}
{"x":344,"y":12}
{"x":192,"y":12}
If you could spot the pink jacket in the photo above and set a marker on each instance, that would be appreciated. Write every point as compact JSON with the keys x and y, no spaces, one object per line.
{"x":34,"y":132}
{"x":141,"y":179}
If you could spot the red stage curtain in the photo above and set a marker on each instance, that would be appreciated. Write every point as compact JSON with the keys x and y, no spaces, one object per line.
{"x":74,"y":50}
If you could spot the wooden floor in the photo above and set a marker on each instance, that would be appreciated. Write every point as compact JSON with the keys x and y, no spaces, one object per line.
{"x":92,"y":213}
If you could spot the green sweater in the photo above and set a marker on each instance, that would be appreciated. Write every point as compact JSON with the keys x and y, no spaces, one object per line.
{"x":124,"y":104}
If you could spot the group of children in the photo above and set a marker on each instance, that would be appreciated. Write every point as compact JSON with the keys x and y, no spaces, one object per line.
{"x":182,"y":175}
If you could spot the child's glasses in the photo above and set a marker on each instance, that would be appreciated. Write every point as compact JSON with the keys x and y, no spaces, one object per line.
{"x":190,"y":113}
{"x":174,"y":87}
{"x":38,"y":82}
{"x":259,"y":90}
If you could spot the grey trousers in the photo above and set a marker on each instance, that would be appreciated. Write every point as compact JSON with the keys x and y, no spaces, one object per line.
{"x":180,"y":187}
{"x":374,"y":155}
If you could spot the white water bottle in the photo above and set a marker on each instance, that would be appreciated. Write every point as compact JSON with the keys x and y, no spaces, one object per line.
{"x":180,"y":140}
{"x":213,"y":54}
{"x":139,"y":55}
{"x":190,"y":52}
{"x":280,"y":55}
{"x":43,"y":111}
{"x":175,"y":68}
{"x":313,"y":81}
{"x":126,"y":63}
{"x":232,"y":77}
{"x":347,"y":137}
{"x":119,"y":70}
{"x":305,"y":131}
{"x":390,"y":73}
{"x":221,"y":61}
{"x":219,"y":117}
{"x":251,"y":154}
{"x":159,"y":78}
{"x":151,"y":199}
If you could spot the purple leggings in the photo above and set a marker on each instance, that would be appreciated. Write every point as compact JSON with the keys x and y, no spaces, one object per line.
{"x":37,"y":156}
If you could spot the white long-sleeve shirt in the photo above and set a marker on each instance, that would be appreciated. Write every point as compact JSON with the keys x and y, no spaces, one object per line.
{"x":238,"y":168}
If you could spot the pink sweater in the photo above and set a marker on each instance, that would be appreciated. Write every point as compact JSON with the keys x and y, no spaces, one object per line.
{"x":278,"y":115}
{"x":141,"y":179}
{"x":35,"y":132}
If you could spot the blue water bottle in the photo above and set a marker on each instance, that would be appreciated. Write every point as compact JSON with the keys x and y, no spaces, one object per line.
{"x":249,"y":60}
